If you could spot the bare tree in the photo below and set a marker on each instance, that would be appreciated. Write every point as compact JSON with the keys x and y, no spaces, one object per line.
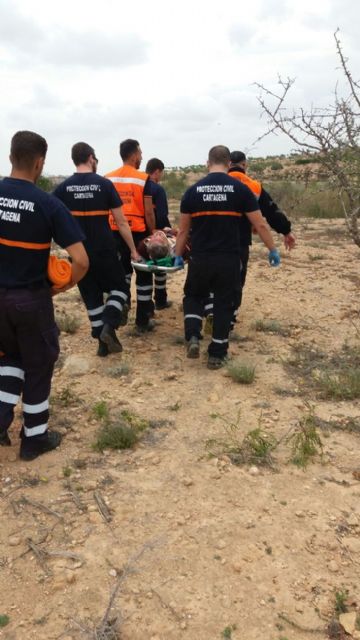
{"x":331,"y":133}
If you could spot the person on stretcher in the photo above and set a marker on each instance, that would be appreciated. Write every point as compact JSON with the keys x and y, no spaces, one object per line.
{"x":159,"y":248}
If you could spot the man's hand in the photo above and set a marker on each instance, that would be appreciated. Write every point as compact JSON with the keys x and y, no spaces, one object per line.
{"x":274,"y":258}
{"x":135,"y":256}
{"x":179,"y":262}
{"x":289,"y":241}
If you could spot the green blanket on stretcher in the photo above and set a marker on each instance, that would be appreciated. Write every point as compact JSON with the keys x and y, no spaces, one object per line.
{"x":161,"y":262}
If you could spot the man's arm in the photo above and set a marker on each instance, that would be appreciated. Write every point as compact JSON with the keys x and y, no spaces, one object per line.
{"x":149,"y":213}
{"x":79,"y":263}
{"x":183,"y":234}
{"x":276,"y":218}
{"x":261,"y":226}
{"x":125,"y":231}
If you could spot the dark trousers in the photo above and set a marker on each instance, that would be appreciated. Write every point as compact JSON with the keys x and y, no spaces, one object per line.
{"x":105,"y":275}
{"x":219,"y":273}
{"x":29,"y":340}
{"x":209,"y":302}
{"x":144,"y":280}
{"x":160,"y":292}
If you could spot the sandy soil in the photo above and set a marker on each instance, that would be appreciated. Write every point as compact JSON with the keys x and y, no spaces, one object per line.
{"x":200,"y":548}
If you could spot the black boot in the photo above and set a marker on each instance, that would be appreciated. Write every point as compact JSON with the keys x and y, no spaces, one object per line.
{"x":103,"y":349}
{"x":109,"y":336}
{"x":31,"y":448}
{"x":4,"y":439}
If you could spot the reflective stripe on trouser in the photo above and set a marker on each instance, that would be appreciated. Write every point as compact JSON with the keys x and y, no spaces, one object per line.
{"x":221,"y":274}
{"x":160,"y":293}
{"x":11,"y":383}
{"x":105,"y":276}
{"x":209,"y":302}
{"x":28,"y":329}
{"x":192,"y":320}
{"x":144,"y":305}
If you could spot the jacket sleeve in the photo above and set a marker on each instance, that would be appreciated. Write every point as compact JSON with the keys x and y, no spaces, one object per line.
{"x":274,"y":216}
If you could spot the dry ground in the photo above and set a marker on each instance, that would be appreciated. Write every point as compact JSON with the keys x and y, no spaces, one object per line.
{"x":220,"y":545}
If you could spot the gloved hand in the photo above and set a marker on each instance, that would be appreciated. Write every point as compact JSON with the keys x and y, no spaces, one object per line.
{"x":179,"y":262}
{"x":274,"y":258}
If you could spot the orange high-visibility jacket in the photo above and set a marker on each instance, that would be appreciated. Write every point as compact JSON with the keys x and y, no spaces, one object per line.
{"x":253,"y":185}
{"x":130,"y":183}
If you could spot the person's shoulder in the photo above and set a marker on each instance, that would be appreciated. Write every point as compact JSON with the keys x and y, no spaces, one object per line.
{"x":114,"y":173}
{"x":155,"y":187}
{"x":61,"y":185}
{"x":101,"y":180}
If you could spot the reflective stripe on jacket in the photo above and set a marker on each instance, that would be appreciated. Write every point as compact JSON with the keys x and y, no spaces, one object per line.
{"x":130,"y":183}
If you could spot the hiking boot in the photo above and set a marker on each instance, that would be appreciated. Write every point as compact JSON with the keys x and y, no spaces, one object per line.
{"x":145,"y":328}
{"x":124,"y":315}
{"x":159,"y":306}
{"x":31,"y":448}
{"x":4,"y":439}
{"x":216,"y":363}
{"x":109,"y":336}
{"x":103,"y":349}
{"x":193,"y":347}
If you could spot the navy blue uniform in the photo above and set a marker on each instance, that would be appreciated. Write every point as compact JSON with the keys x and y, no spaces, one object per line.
{"x":217,"y":205}
{"x":161,"y":211}
{"x":29,"y":220}
{"x":89,"y":197}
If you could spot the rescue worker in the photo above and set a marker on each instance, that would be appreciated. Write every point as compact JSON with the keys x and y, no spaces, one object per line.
{"x":29,"y":220}
{"x":155,"y":169}
{"x":219,"y":212}
{"x":90,"y":197}
{"x":276,"y":219}
{"x":133,"y":187}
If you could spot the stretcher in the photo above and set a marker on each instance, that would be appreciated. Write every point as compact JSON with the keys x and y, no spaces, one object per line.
{"x":153,"y":268}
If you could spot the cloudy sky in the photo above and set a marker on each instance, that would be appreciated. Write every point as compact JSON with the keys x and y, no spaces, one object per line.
{"x":177,"y":76}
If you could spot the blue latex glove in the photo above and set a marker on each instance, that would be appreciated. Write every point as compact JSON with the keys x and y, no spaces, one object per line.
{"x":274,"y":258}
{"x":179,"y":262}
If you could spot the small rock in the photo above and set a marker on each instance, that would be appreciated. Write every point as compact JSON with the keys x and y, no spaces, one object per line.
{"x":348,"y":621}
{"x":353,"y":544}
{"x":333,"y":566}
{"x":254,"y":471}
{"x":183,"y":625}
{"x":237,"y":567}
{"x":353,"y":520}
{"x":113,"y":573}
{"x":188,"y":482}
{"x":14,"y":541}
{"x":70,"y":577}
{"x":221,"y":544}
{"x":76,"y":365}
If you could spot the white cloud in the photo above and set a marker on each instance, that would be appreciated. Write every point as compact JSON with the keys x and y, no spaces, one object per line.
{"x":177,"y":76}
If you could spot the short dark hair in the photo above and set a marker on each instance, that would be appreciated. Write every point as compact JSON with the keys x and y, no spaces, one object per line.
{"x":153,"y":165}
{"x":219,"y":155}
{"x":26,"y":148}
{"x":80,"y":153}
{"x":237,"y":156}
{"x":128,"y":147}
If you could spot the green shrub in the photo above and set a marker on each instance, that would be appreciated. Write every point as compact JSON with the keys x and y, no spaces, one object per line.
{"x":241,"y":373}
{"x":67,"y":322}
{"x":116,"y":435}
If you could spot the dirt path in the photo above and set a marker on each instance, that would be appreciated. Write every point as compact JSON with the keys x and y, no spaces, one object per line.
{"x":224,"y":549}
